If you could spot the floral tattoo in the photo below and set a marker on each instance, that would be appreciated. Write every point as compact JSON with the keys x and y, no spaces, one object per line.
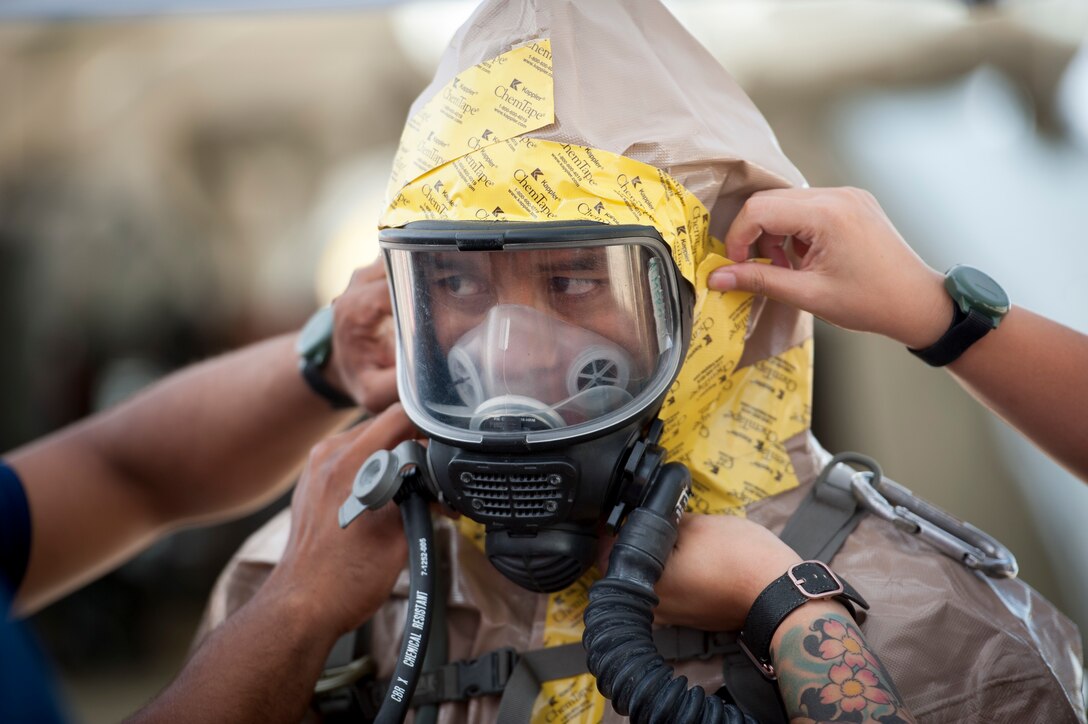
{"x":827,"y":673}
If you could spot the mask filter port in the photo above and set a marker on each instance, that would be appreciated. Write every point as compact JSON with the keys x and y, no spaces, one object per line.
{"x":599,"y":366}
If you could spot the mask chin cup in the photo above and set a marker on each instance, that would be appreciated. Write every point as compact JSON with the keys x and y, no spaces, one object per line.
{"x":517,"y":413}
{"x":545,"y":561}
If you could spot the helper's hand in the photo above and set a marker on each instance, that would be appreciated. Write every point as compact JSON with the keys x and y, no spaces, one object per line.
{"x":343,"y":575}
{"x":719,"y":566}
{"x":363,"y":362}
{"x":853,"y":268}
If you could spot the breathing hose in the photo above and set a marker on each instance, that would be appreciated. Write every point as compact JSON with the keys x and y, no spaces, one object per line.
{"x":415,"y":512}
{"x":619,"y":637}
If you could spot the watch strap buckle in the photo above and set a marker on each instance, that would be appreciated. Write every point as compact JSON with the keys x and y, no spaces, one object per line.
{"x":799,"y":582}
{"x":764,"y":667}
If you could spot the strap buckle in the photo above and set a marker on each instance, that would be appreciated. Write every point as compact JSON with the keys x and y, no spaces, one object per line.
{"x":461,"y":680}
{"x":955,"y":538}
{"x":764,"y":667}
{"x":798,"y":583}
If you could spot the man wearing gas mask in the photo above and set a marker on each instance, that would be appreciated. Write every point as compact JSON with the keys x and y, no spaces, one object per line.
{"x":551,"y":225}
{"x":559,"y":343}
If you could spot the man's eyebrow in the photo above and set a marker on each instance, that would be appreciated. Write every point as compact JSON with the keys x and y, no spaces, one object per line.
{"x":587,"y":260}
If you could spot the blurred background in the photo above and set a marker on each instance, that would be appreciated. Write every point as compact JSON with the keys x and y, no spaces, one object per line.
{"x":178,"y":182}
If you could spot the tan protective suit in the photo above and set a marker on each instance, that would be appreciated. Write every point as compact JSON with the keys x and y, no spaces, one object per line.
{"x":598,"y":86}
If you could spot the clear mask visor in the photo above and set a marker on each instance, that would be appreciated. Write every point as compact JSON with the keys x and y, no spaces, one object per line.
{"x":533,"y":340}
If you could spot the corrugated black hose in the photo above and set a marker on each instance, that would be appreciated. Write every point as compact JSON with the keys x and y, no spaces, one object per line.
{"x":619,"y":637}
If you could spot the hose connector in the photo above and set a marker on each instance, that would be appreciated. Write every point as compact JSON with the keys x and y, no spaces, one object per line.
{"x":380,"y":478}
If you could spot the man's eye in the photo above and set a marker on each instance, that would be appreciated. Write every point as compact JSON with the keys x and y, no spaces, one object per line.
{"x":574,"y":286}
{"x":462,"y":285}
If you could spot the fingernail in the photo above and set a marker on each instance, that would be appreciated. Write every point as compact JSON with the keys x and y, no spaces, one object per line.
{"x":721,"y":280}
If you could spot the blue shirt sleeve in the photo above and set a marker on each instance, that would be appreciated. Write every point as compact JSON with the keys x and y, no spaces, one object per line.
{"x":26,"y":686}
{"x":27,"y":693}
{"x":14,"y":530}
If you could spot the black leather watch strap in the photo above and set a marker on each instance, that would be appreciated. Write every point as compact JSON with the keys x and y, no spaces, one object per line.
{"x":804,"y":582}
{"x":317,"y":382}
{"x":966,"y":329}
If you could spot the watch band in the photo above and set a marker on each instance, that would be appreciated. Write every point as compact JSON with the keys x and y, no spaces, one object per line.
{"x":311,"y":372}
{"x":966,"y":329}
{"x":804,"y":582}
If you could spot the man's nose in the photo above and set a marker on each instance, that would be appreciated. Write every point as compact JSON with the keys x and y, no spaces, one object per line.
{"x":524,"y":294}
{"x":527,"y":357}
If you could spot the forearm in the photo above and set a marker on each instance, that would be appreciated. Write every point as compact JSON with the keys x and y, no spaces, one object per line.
{"x":222,"y":435}
{"x":826,"y":671}
{"x":259,"y":666}
{"x":1033,"y":372}
{"x":216,"y":439}
{"x":1029,"y":370}
{"x":262,"y":663}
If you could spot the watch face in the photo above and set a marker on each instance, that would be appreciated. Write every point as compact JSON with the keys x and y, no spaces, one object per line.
{"x":315,"y":339}
{"x":973,"y":289}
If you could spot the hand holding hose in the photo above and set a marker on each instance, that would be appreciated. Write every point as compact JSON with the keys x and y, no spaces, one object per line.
{"x":260,"y":665}
{"x":347,"y":574}
{"x":718,"y":567}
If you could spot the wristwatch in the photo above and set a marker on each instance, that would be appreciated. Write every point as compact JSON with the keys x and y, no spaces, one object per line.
{"x":804,"y":582}
{"x":314,"y":348}
{"x":979,"y":305}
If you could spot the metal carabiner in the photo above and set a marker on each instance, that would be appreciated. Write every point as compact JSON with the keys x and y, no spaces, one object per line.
{"x":957,"y":539}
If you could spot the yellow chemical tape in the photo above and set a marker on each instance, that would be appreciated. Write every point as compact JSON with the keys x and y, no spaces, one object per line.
{"x":727,"y":425}
{"x":527,"y":179}
{"x":574,"y":700}
{"x":737,"y":454}
{"x":488,"y":103}
{"x":473,"y":531}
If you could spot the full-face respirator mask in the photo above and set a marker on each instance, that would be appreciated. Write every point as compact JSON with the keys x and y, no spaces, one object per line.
{"x":535,"y":357}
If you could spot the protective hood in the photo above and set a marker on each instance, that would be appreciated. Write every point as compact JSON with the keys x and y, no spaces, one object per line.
{"x":608,"y":111}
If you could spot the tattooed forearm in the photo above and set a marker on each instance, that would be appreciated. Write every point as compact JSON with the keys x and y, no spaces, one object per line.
{"x":827,"y":673}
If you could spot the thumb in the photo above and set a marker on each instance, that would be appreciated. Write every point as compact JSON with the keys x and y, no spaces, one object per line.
{"x":776,"y":282}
